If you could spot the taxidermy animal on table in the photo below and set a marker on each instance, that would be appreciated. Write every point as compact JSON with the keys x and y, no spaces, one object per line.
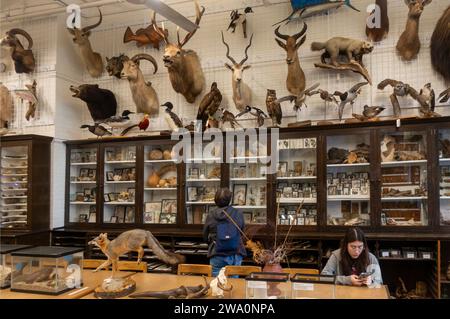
{"x":30,"y":96}
{"x":273,"y":107}
{"x":408,"y":45}
{"x":239,"y":18}
{"x":142,"y":125}
{"x":24,"y":61}
{"x":302,"y":9}
{"x":209,"y":104}
{"x":114,"y":66}
{"x":6,"y":107}
{"x":101,"y":103}
{"x":185,"y":70}
{"x":378,"y":34}
{"x":440,"y":46}
{"x":256,"y":112}
{"x":132,"y":240}
{"x":349,"y":97}
{"x":172,"y":118}
{"x":242,"y":95}
{"x":145,"y":36}
{"x":295,"y":81}
{"x":143,"y":93}
{"x":369,"y":113}
{"x":182,"y":292}
{"x":91,"y":59}
{"x":97,"y":129}
{"x":444,"y":96}
{"x":353,"y":50}
{"x":219,"y":284}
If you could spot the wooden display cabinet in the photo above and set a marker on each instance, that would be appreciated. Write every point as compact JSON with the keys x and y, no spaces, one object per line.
{"x":25,"y":189}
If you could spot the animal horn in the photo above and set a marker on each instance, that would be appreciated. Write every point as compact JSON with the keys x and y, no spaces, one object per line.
{"x":90,"y":27}
{"x":298,"y":35}
{"x":157,"y":30}
{"x":148,"y":57}
{"x":228,"y":50}
{"x":278,"y":34}
{"x":246,"y":49}
{"x":199,"y":15}
{"x":24,"y":34}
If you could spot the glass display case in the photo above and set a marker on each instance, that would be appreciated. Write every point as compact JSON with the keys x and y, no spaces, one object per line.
{"x":444,"y":181}
{"x":309,"y":286}
{"x":14,"y":187}
{"x":404,"y":191}
{"x":297,"y":182}
{"x":47,"y":270}
{"x":6,"y":266}
{"x":348,"y":180}
{"x":119,"y":185}
{"x":160,"y":185}
{"x":83,"y":185}
{"x":267,"y":285}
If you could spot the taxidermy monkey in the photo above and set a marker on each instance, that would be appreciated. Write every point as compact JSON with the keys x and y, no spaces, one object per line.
{"x":440,"y":46}
{"x":378,"y":34}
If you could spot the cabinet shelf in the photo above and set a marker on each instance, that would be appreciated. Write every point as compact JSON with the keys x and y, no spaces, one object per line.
{"x":120,"y":162}
{"x":200,"y":203}
{"x":14,"y":175}
{"x":390,"y":199}
{"x":243,"y":179}
{"x":83,"y":164}
{"x":444,"y":161}
{"x":16,"y":204}
{"x":160,"y":189}
{"x":16,"y":182}
{"x":406,"y":259}
{"x":295,"y":178}
{"x":15,"y":189}
{"x":120,"y":182}
{"x":402,"y":163}
{"x":250,"y":207}
{"x":13,"y":197}
{"x":297,"y":200}
{"x":234,"y":158}
{"x":348,"y":165}
{"x":6,"y":157}
{"x":203,"y":180}
{"x":119,"y":203}
{"x":159,"y":161}
{"x":347,"y":198}
{"x":203,"y":160}
{"x":84,"y":182}
{"x":445,"y":197}
{"x":15,"y":167}
{"x":82,"y":203}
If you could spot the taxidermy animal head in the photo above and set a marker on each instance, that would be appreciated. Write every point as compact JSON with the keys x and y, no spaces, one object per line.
{"x":242,"y":95}
{"x":440,"y":46}
{"x":144,"y":96}
{"x":378,"y":34}
{"x":23,"y":58}
{"x":295,"y":82}
{"x":101,"y":103}
{"x":91,"y":59}
{"x":144,"y":36}
{"x":114,"y":65}
{"x":408,"y":45}
{"x":185,"y":71}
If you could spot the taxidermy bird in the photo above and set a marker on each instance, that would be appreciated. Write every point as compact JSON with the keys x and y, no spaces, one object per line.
{"x":369,"y":112}
{"x":119,"y":120}
{"x":30,"y":96}
{"x":256,"y":112}
{"x":326,"y":96}
{"x":172,"y":119}
{"x":228,"y":117}
{"x":444,"y":96}
{"x":349,"y":97}
{"x":273,"y":107}
{"x":97,"y":129}
{"x":143,"y":125}
{"x":209,"y":104}
{"x":428,"y":95}
{"x":300,"y":99}
{"x":237,"y":18}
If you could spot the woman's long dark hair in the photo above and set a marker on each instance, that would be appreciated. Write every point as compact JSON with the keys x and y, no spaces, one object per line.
{"x":347,"y":262}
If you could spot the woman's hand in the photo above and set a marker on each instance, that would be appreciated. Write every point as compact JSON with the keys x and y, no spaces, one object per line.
{"x":356,"y":281}
{"x":367,"y":281}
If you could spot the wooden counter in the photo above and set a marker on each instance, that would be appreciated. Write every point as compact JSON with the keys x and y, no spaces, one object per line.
{"x":90,"y":281}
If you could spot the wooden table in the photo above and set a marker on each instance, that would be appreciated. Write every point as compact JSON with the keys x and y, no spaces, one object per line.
{"x":90,"y":281}
{"x":159,"y":282}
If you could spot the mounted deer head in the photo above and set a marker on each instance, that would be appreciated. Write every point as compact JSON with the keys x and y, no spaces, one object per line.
{"x":242,"y":95}
{"x":24,"y":61}
{"x":408,"y":45}
{"x":92,"y":60}
{"x":296,"y":81}
{"x":185,"y":71}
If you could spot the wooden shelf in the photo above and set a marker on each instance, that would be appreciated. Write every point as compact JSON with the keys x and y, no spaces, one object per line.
{"x":390,"y":199}
{"x":206,"y":180}
{"x":119,"y":203}
{"x":121,"y":162}
{"x":120,"y":182}
{"x":299,"y":178}
{"x":159,"y":161}
{"x":200,"y":203}
{"x":348,"y":165}
{"x":250,"y":179}
{"x":248,"y":158}
{"x":84,"y":182}
{"x":401,"y":163}
{"x":203,"y":160}
{"x":347,"y":198}
{"x":160,"y":189}
{"x":297,"y":200}
{"x":82,"y":203}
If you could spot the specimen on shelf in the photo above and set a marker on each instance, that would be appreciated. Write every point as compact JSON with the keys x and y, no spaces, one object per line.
{"x":445,"y":146}
{"x":370,"y":113}
{"x":388,"y":148}
{"x":209,"y":104}
{"x":92,"y":60}
{"x":156,"y":179}
{"x":373,"y":33}
{"x":302,"y":9}
{"x":185,"y":70}
{"x":97,"y":129}
{"x":256,"y":112}
{"x":29,"y":95}
{"x":352,"y":50}
{"x":348,"y":97}
{"x":273,"y":107}
{"x":145,"y":36}
{"x":171,"y":117}
{"x":444,"y":96}
{"x":143,"y":93}
{"x":408,"y":45}
{"x":295,"y":81}
{"x":337,"y":155}
{"x":239,"y":18}
{"x":7,"y":107}
{"x":440,"y":46}
{"x":182,"y":292}
{"x":142,"y":125}
{"x":24,"y":61}
{"x":101,"y":103}
{"x":242,"y":94}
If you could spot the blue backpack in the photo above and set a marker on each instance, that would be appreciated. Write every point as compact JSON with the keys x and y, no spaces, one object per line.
{"x":228,"y":237}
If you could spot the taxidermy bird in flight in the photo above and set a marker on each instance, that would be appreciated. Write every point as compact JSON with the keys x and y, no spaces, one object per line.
{"x":239,"y":18}
{"x":258,"y":113}
{"x":119,"y":120}
{"x":349,"y":97}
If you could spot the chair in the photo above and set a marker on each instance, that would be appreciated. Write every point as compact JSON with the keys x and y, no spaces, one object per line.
{"x":121,"y":265}
{"x":241,"y":271}
{"x":194,"y":269}
{"x":293,"y":271}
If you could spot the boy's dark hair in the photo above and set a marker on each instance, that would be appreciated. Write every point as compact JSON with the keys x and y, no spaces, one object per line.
{"x":223,"y":197}
{"x":361,"y":263}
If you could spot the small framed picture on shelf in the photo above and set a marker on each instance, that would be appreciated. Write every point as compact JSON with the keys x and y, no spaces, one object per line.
{"x":92,"y":174}
{"x":119,"y":211}
{"x":125,"y":174}
{"x":356,"y":183}
{"x":332,"y":190}
{"x":295,"y":194}
{"x":312,"y":169}
{"x":113,"y":219}
{"x":168,"y":206}
{"x":110,"y":176}
{"x":242,"y":171}
{"x":342,"y":176}
{"x":192,"y":194}
{"x":110,"y":156}
{"x":194,"y":173}
{"x":282,"y":168}
{"x":132,"y":174}
{"x":346,"y":191}
{"x":131,"y":194}
{"x":298,"y":168}
{"x":83,"y":218}
{"x":287,"y":192}
{"x":239,"y":194}
{"x":364,"y":190}
{"x":247,"y":217}
{"x":131,"y":155}
{"x":118,"y":174}
{"x":92,"y":217}
{"x":113,"y":197}
{"x":106,"y":198}
{"x":129,"y":214}
{"x":153,"y":207}
{"x":77,"y":157}
{"x":84,"y":172}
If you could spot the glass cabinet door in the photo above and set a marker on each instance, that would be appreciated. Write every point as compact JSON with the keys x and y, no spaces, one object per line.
{"x":83,"y":185}
{"x":404,"y":179}
{"x":444,"y":182}
{"x":348,"y":180}
{"x":203,"y":176}
{"x":297,"y":182}
{"x":160,"y":185}
{"x":248,"y":182}
{"x":14,"y":187}
{"x":119,"y":185}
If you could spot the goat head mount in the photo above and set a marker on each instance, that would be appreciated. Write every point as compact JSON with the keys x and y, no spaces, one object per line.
{"x":24,"y":61}
{"x":408,"y":45}
{"x":185,"y":70}
{"x":91,"y":59}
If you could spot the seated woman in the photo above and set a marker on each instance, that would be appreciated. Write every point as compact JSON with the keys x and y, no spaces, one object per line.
{"x":353,"y":259}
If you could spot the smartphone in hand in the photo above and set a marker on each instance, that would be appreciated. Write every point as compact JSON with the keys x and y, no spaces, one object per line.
{"x":364,"y":275}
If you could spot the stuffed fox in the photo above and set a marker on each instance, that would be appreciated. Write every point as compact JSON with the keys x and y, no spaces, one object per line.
{"x":132,"y":240}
